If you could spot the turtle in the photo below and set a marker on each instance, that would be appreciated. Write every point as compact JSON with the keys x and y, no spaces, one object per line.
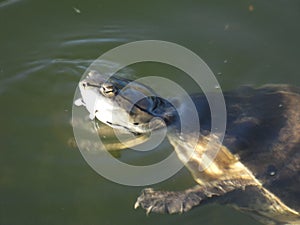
{"x":257,"y":167}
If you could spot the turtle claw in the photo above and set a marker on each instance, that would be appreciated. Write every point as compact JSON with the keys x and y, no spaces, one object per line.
{"x":148,"y":211}
{"x":166,"y":202}
{"x":136,"y":205}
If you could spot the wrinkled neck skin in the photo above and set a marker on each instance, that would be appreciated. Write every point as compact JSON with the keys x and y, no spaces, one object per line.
{"x":184,"y":130}
{"x":202,"y":152}
{"x":181,"y":117}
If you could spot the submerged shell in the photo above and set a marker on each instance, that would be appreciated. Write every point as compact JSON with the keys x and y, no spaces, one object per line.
{"x":263,"y":129}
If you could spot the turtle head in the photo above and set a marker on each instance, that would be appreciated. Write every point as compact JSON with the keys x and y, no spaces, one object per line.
{"x":124,"y":104}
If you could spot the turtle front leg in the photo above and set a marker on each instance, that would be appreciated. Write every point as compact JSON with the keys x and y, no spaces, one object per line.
{"x":172,"y":201}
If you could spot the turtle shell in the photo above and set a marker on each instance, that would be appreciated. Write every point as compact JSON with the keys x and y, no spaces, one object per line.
{"x":263,"y":129}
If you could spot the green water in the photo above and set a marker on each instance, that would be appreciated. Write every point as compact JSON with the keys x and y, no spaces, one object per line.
{"x":45,"y":46}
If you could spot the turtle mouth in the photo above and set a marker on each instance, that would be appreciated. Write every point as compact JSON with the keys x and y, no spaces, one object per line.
{"x":123,"y":127}
{"x":88,"y":84}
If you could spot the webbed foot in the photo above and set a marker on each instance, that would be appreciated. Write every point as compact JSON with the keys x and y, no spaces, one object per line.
{"x":168,"y":201}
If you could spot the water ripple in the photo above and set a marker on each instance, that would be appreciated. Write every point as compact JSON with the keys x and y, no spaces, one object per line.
{"x":30,"y":68}
{"x":8,"y":2}
{"x":94,"y":41}
{"x":73,"y":67}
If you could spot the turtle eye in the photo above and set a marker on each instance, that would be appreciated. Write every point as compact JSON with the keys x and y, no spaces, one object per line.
{"x":108,"y":90}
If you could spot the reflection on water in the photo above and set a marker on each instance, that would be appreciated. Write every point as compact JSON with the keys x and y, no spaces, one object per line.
{"x":94,"y":41}
{"x":8,"y":2}
{"x":45,"y":48}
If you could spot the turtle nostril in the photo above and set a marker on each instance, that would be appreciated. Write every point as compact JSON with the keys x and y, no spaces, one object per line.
{"x":135,"y":124}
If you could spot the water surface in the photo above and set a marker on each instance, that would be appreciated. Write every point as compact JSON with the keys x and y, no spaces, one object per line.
{"x":45,"y":46}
